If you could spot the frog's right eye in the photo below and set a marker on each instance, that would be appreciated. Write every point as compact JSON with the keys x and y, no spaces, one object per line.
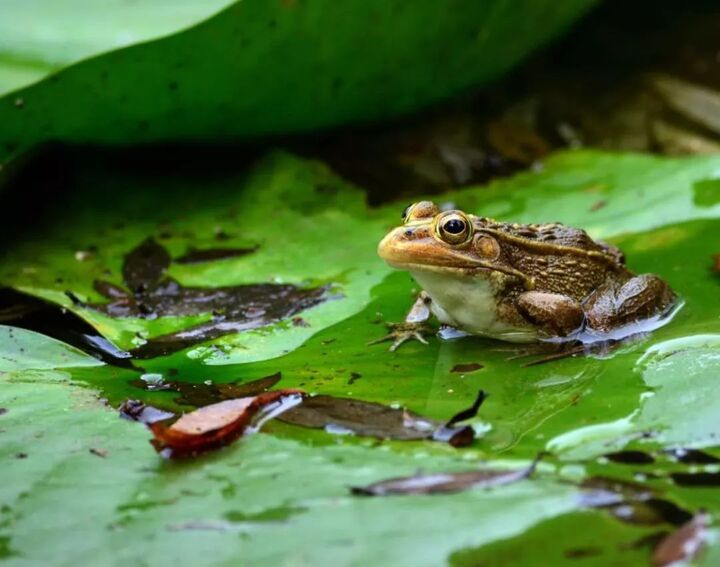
{"x":454,"y":228}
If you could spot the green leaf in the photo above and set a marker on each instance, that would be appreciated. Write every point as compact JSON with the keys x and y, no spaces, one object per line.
{"x":22,"y":350}
{"x":264,"y":501}
{"x":282,"y":496}
{"x":258,"y":67}
{"x":38,"y":37}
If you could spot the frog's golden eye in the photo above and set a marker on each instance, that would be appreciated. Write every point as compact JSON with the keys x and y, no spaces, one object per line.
{"x":454,"y":228}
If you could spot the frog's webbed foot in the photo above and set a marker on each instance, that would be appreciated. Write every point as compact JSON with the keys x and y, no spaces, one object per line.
{"x":403,"y":332}
{"x":413,"y":328}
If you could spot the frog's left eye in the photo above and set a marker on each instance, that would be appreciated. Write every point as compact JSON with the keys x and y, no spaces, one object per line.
{"x":454,"y":228}
{"x":419,"y":212}
{"x":406,"y":212}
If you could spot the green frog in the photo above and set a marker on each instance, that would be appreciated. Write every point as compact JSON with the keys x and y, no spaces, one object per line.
{"x":516,"y":282}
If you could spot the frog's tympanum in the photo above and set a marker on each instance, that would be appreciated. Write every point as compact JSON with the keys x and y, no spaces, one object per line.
{"x":516,"y":282}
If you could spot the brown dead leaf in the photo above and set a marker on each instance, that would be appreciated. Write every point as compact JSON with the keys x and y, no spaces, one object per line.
{"x":443,"y":483}
{"x":371,"y":419}
{"x":217,"y":425}
{"x":683,"y":544}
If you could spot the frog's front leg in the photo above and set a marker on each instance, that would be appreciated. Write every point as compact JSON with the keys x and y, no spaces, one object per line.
{"x":556,"y":315}
{"x":414,"y":326}
{"x":615,"y":304}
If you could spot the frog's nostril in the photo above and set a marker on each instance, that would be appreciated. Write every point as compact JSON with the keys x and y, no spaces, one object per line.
{"x":408,"y":233}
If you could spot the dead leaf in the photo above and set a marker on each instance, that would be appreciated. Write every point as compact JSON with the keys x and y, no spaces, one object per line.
{"x":371,"y":419}
{"x":684,"y":543}
{"x":135,"y":410}
{"x":150,"y":293}
{"x":203,"y":394}
{"x":443,"y":483}
{"x":716,"y":263}
{"x":466,"y":368}
{"x":695,"y":102}
{"x":217,"y":425}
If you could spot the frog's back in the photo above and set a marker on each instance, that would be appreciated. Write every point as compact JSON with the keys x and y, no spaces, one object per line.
{"x":559,"y":258}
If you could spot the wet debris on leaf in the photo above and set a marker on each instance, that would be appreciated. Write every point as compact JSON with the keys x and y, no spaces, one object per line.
{"x":199,"y":256}
{"x":715,"y":267}
{"x":217,"y":425}
{"x":630,"y":457}
{"x":370,"y":419}
{"x":102,"y":453}
{"x":703,"y":479}
{"x":630,"y":502}
{"x":683,"y":544}
{"x":466,"y":368}
{"x":203,"y":394}
{"x":692,"y":456}
{"x":153,"y":294}
{"x":444,"y":483}
{"x":135,"y":410}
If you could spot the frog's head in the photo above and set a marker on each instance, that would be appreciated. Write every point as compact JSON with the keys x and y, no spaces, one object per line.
{"x":451,"y":243}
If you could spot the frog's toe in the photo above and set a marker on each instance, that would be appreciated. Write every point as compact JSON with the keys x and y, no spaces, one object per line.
{"x":402,"y":332}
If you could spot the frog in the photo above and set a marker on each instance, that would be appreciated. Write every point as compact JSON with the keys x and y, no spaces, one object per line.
{"x":520,"y":283}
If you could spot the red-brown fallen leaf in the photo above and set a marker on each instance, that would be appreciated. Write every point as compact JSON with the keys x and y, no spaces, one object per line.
{"x":443,"y":483}
{"x":217,"y":425}
{"x":715,"y":263}
{"x":683,"y":544}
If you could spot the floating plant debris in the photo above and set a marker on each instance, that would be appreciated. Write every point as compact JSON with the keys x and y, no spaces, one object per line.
{"x":466,"y":368}
{"x":683,"y":544}
{"x":630,"y":502}
{"x":630,"y":457}
{"x":696,"y":479}
{"x":217,"y":425}
{"x":203,"y":394}
{"x":153,"y":294}
{"x":443,"y":483}
{"x":692,"y":456}
{"x":135,"y":410}
{"x":371,"y":419}
{"x":198,"y":256}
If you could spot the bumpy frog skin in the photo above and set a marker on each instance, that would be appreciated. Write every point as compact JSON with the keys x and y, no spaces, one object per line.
{"x":516,"y":282}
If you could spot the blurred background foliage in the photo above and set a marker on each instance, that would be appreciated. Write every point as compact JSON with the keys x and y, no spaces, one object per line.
{"x":256,"y":68}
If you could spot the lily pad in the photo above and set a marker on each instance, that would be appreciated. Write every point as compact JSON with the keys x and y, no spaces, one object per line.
{"x":257,"y":67}
{"x":38,"y":37}
{"x":22,"y":350}
{"x":282,"y":496}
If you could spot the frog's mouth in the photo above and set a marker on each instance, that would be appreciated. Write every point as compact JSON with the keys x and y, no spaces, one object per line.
{"x":419,"y":256}
{"x":425,"y":256}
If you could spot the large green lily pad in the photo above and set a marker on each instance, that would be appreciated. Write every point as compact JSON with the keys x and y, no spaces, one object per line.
{"x":258,"y":67}
{"x":282,"y":496}
{"x":38,"y":37}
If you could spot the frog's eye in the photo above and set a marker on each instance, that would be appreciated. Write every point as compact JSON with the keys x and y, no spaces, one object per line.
{"x":454,"y":228}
